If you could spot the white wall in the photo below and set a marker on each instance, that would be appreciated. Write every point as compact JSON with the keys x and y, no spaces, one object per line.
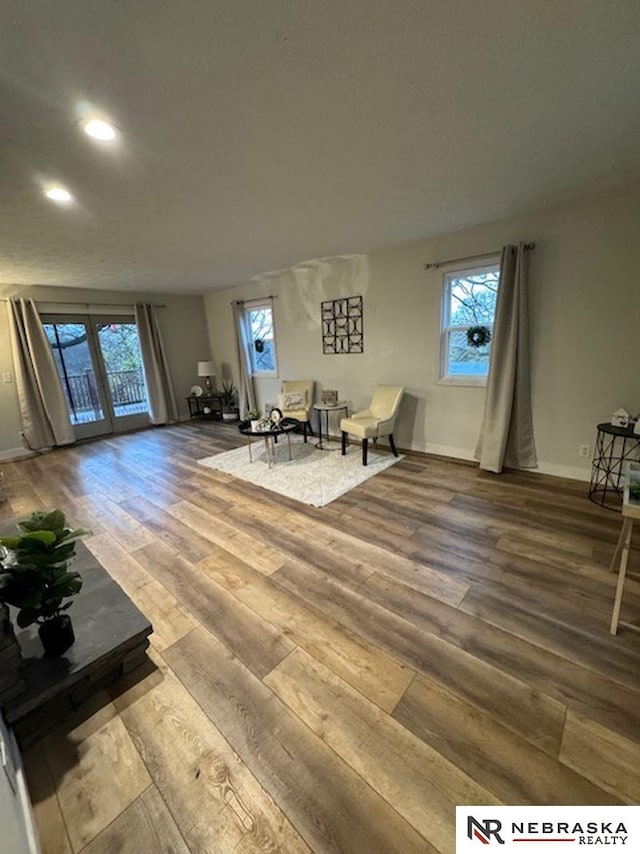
{"x":183,"y":329}
{"x":585,"y":319}
{"x":16,"y":817}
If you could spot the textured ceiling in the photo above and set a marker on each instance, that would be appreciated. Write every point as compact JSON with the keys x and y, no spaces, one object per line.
{"x":257,"y":133}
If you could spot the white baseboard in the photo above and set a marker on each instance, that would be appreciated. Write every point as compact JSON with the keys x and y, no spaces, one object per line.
{"x":571,"y":472}
{"x":438,"y":450}
{"x":448,"y":451}
{"x":555,"y":469}
{"x":15,"y":454}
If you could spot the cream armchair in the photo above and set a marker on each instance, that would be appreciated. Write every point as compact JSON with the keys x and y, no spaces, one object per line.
{"x":376,"y":421}
{"x":296,"y":401}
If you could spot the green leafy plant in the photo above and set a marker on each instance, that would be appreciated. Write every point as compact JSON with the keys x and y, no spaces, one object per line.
{"x":229,"y":395}
{"x":34,"y":567}
{"x":634,"y":490}
{"x":254,"y":414}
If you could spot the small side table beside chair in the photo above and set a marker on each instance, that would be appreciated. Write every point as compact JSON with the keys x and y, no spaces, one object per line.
{"x":324,"y":442}
{"x":375,"y":422}
{"x":630,"y":513}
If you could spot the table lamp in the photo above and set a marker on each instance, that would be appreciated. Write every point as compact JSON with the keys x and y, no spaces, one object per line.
{"x":207,"y":370}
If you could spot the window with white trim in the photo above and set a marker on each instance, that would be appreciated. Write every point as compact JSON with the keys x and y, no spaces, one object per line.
{"x":261,"y":338}
{"x":468,"y":313}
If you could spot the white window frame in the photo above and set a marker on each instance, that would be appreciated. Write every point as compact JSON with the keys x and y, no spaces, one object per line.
{"x":247,"y":308}
{"x":471,"y":380}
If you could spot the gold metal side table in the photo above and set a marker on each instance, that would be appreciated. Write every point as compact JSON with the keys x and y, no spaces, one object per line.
{"x":630,"y":512}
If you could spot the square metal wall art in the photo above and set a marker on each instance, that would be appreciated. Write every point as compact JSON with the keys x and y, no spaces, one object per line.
{"x":342,"y":329}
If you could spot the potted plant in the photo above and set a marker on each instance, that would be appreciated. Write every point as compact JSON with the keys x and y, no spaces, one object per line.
{"x":35,"y":577}
{"x":254,"y":416}
{"x":229,"y":402}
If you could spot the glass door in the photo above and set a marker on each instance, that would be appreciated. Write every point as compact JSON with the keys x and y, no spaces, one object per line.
{"x":72,"y":344}
{"x":119,"y":349}
{"x":100,"y":368}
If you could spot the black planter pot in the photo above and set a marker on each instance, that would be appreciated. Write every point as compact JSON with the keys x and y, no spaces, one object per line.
{"x":56,"y":635}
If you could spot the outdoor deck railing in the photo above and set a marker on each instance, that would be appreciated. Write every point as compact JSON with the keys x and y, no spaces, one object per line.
{"x":126,"y":387}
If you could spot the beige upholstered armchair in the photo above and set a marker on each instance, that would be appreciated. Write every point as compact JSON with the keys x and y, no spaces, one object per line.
{"x":296,"y":400}
{"x":376,"y":421}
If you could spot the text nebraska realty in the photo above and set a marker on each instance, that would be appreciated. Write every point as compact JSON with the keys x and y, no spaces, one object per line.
{"x":584,"y":833}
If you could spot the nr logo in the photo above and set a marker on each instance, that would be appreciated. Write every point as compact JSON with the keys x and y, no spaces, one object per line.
{"x":485,"y":831}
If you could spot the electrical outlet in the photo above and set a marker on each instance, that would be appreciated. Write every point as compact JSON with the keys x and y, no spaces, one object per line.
{"x":7,"y":377}
{"x":584,"y":450}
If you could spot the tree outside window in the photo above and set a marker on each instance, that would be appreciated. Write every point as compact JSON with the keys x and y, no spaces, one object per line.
{"x":261,"y":339}
{"x":470,"y":298}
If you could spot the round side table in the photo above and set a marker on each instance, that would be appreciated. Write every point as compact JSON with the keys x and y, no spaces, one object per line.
{"x":328,"y":408}
{"x":614,"y":447}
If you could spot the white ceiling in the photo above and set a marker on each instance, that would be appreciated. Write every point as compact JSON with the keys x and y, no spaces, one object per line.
{"x":257,"y":133}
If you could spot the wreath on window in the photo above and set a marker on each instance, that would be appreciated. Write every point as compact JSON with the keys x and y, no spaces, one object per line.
{"x":478,"y":336}
{"x":259,"y":345}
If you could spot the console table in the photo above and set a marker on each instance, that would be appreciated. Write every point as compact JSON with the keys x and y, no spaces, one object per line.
{"x":614,"y":447}
{"x":198,"y":405}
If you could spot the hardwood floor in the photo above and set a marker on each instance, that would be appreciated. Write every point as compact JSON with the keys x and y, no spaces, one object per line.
{"x":335,"y":679}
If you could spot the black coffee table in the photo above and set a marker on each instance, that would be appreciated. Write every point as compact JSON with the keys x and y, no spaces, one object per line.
{"x":285,"y":427}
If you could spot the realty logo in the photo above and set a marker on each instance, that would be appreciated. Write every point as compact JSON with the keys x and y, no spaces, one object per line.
{"x":555,"y":829}
{"x":485,"y":831}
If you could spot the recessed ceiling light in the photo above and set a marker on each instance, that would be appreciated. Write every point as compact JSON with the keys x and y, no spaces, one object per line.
{"x":59,"y":194}
{"x":99,"y":129}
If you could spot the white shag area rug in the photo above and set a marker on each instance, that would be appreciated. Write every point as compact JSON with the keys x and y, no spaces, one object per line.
{"x":311,"y":476}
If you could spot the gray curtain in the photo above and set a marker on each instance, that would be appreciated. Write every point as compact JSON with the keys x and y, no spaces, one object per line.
{"x":247,"y":394}
{"x":43,"y":408}
{"x":162,"y":400}
{"x":506,"y":438}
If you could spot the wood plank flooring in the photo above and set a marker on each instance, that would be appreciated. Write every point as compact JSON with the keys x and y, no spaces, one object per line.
{"x":335,"y":679}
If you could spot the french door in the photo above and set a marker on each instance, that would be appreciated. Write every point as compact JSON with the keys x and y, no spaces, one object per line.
{"x":100,"y":368}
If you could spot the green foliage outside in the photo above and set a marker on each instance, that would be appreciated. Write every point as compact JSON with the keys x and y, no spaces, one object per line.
{"x":118,"y":342}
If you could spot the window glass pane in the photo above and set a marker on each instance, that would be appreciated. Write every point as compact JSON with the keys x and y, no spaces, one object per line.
{"x":464,"y":360}
{"x":123,"y":362}
{"x":75,"y":369}
{"x":472,"y":299}
{"x":261,"y":343}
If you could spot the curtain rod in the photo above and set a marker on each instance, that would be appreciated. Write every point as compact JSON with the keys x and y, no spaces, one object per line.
{"x":87,"y":304}
{"x":528,"y":247}
{"x":253,"y":299}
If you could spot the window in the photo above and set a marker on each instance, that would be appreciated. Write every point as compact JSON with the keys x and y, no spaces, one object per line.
{"x":469,"y":301}
{"x":261,"y":339}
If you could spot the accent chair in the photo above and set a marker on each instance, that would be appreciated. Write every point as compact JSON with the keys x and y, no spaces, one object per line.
{"x":376,"y":421}
{"x":296,"y":401}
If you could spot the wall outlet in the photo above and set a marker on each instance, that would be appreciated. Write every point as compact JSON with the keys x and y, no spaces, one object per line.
{"x":7,"y":377}
{"x":584,"y":450}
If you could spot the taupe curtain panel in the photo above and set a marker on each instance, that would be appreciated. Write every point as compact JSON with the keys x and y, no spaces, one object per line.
{"x":162,"y":400}
{"x":247,"y":394}
{"x":43,"y":408}
{"x":506,"y":438}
